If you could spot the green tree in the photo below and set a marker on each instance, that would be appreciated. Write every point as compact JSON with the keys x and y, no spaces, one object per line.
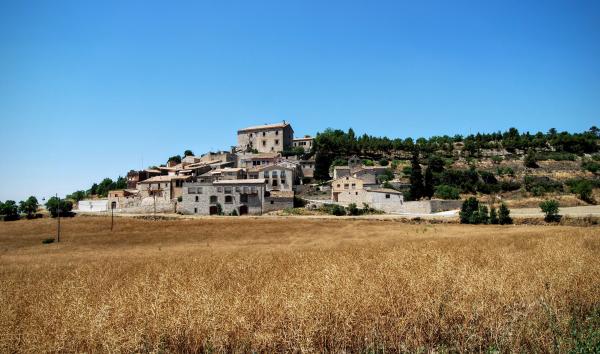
{"x":352,"y":209}
{"x":468,"y":208}
{"x":176,"y":159}
{"x":188,"y":153}
{"x":550,"y":208}
{"x":55,"y":204}
{"x":436,"y":164}
{"x":10,"y":210}
{"x":447,"y":192}
{"x":94,"y":189}
{"x":384,"y":162}
{"x":530,"y":159}
{"x":428,"y":188}
{"x":504,"y":215}
{"x":416,"y":190}
{"x":77,"y":196}
{"x":29,"y":206}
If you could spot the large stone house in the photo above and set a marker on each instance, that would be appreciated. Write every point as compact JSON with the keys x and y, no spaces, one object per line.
{"x":166,"y":187}
{"x":305,"y":143}
{"x":266,"y":138}
{"x":384,"y":199}
{"x":280,"y":177}
{"x":345,"y":184}
{"x":245,"y":196}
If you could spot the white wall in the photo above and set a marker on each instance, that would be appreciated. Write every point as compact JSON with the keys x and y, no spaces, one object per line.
{"x":97,"y":205}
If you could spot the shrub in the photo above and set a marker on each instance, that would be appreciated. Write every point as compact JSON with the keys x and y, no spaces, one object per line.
{"x":234,"y":212}
{"x":541,"y":185}
{"x":337,"y":210}
{"x":447,"y":192}
{"x":550,"y":208}
{"x":507,"y":186}
{"x":583,"y":189}
{"x":368,"y":162}
{"x":591,"y":166}
{"x":530,"y":159}
{"x":352,"y":209}
{"x":384,"y":162}
{"x":180,"y":199}
{"x":48,"y":240}
{"x":497,"y":159}
{"x":504,"y":215}
{"x":299,"y":202}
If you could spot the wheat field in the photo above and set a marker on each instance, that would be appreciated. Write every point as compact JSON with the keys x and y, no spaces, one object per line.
{"x":230,"y":284}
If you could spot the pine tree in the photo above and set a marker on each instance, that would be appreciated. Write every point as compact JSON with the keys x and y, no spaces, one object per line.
{"x":504,"y":215}
{"x":428,"y":188}
{"x":416,"y":178}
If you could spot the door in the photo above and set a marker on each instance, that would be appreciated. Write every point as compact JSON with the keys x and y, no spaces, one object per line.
{"x":212,"y":210}
{"x":243,"y":209}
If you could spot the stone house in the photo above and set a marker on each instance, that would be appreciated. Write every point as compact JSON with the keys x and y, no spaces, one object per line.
{"x":250,"y":160}
{"x":345,"y":184}
{"x":134,"y":177}
{"x":167,"y":187}
{"x":278,"y":200}
{"x":245,"y":196}
{"x":266,"y":138}
{"x":384,"y":199}
{"x":123,"y":198}
{"x":280,"y":177}
{"x":306,"y":143}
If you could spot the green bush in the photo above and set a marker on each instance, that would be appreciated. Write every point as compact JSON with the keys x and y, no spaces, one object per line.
{"x":384,"y":162}
{"x":591,"y":166}
{"x":352,"y":209}
{"x":556,"y":156}
{"x":541,"y":185}
{"x":497,"y":159}
{"x":550,"y":208}
{"x":48,"y":240}
{"x":530,"y":159}
{"x":473,"y":213}
{"x":504,"y":215}
{"x":447,"y":192}
{"x":338,"y":210}
{"x":508,"y":186}
{"x":583,"y":189}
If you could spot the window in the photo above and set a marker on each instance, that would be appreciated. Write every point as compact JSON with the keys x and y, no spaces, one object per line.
{"x":277,"y":132}
{"x":274,"y":183}
{"x":353,"y":185}
{"x":228,"y":199}
{"x":197,"y":199}
{"x":199,"y":190}
{"x":244,"y":198}
{"x":282,"y":181}
{"x":276,"y":141}
{"x":237,"y":189}
{"x":272,"y":202}
{"x":356,"y":193}
{"x":227,"y":190}
{"x":274,"y":174}
{"x":219,"y":189}
{"x":346,"y":186}
{"x":338,"y":185}
{"x":264,"y":143}
{"x":264,"y":133}
{"x":387,"y":196}
{"x":191,"y":190}
{"x":213,"y":198}
{"x":282,"y":174}
{"x":196,"y":209}
{"x":250,"y":134}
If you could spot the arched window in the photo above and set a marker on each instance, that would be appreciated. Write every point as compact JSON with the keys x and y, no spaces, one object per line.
{"x":228,"y":199}
{"x":213,"y":198}
{"x":196,"y":198}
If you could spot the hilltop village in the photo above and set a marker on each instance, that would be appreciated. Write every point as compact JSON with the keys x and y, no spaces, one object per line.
{"x":253,"y":178}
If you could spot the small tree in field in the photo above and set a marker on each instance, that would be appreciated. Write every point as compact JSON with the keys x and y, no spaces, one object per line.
{"x":29,"y":206}
{"x":550,"y":208}
{"x":504,"y":215}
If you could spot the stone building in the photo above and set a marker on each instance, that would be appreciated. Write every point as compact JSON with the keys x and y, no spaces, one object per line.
{"x":250,"y":160}
{"x":345,"y":184}
{"x":266,"y":138}
{"x":384,"y":199}
{"x":134,"y":177}
{"x":245,"y":196}
{"x":280,"y":177}
{"x":306,"y":143}
{"x":166,"y":187}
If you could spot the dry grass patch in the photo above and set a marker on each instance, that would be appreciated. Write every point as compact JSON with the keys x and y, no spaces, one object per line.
{"x":238,"y":284}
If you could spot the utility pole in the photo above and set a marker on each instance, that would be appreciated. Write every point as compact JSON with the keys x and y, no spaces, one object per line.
{"x":154,"y":195}
{"x":58,"y":218}
{"x":112,"y":216}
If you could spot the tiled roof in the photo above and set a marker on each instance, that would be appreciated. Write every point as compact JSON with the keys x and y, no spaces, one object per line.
{"x":384,"y":190}
{"x":266,"y":126}
{"x":241,"y":181}
{"x":163,"y":179}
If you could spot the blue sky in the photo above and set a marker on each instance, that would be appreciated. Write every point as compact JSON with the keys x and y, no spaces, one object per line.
{"x":90,"y":89}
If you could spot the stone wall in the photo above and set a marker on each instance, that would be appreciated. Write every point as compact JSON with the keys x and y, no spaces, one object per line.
{"x":198,"y":201}
{"x":277,"y":203}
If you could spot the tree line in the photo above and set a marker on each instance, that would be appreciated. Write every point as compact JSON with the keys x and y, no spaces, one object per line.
{"x":333,"y":144}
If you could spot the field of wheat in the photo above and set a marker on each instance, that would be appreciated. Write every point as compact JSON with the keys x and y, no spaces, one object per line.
{"x":243,"y":284}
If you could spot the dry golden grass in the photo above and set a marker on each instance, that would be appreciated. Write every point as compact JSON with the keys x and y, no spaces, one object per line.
{"x":240,"y":284}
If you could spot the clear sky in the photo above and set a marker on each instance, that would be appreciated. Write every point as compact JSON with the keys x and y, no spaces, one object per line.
{"x":91,"y":89}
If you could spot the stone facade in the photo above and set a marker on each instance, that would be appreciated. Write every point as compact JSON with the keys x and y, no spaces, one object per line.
{"x":345,"y":184}
{"x":266,"y":138}
{"x":278,"y":177}
{"x":306,"y":143}
{"x":387,"y":200}
{"x":243,"y":196}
